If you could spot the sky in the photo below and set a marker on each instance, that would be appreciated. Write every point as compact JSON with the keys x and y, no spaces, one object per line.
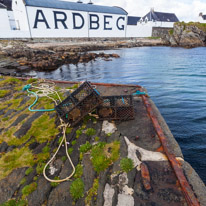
{"x":185,"y":10}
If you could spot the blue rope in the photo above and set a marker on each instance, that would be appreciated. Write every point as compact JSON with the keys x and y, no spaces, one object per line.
{"x":139,"y":93}
{"x":96,"y":91}
{"x":26,"y":88}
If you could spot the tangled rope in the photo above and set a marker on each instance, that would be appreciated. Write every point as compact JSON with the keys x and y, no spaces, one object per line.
{"x":46,"y":89}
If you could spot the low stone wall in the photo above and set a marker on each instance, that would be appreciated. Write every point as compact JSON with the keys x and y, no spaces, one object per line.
{"x":160,"y":31}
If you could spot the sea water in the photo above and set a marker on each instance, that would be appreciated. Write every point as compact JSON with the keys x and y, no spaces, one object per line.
{"x":175,"y":79}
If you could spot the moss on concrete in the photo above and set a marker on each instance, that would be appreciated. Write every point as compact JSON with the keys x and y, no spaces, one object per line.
{"x":103,"y":155}
{"x":28,"y":189}
{"x":77,"y":189}
{"x":92,"y":193}
{"x":17,"y":158}
{"x":3,"y":93}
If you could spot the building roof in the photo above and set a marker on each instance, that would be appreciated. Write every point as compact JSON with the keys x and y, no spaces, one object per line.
{"x":75,"y":6}
{"x":132,"y":20}
{"x":204,"y":17}
{"x":161,"y":16}
{"x":7,"y":4}
{"x":2,"y":6}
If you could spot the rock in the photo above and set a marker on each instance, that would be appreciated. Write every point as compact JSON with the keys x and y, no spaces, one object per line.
{"x":19,"y":119}
{"x":190,"y":39}
{"x":27,"y":125}
{"x":10,"y":184}
{"x":60,"y":195}
{"x":89,"y":174}
{"x":40,"y":195}
{"x":187,"y":35}
{"x":125,"y":200}
{"x":3,"y":147}
{"x":108,"y":195}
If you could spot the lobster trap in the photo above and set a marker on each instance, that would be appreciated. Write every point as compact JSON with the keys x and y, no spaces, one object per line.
{"x":116,"y":108}
{"x":78,"y":104}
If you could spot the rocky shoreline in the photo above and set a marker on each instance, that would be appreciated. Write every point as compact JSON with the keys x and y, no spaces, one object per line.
{"x":187,"y":35}
{"x":18,"y":56}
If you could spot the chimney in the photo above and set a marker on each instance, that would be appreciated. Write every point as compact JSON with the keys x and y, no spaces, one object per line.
{"x":90,"y":2}
{"x":152,"y":9}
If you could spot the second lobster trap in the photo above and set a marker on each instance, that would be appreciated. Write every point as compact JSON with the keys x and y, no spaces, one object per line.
{"x":82,"y":101}
{"x":116,"y":108}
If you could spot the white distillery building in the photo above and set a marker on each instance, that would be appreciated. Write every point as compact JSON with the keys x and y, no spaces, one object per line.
{"x":63,"y":19}
{"x":53,"y":18}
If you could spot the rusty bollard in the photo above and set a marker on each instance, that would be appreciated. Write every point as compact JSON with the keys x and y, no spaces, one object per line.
{"x":145,"y":176}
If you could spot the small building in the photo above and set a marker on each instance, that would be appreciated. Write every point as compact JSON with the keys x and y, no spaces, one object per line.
{"x":202,"y":18}
{"x":135,"y":29}
{"x":159,"y":19}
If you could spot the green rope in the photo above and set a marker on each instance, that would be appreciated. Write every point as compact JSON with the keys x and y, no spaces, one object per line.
{"x":26,"y":88}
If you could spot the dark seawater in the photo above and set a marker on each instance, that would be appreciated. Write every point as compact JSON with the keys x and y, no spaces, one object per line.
{"x":176,"y":81}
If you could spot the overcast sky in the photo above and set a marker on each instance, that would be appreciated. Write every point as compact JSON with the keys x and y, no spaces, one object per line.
{"x":186,"y":10}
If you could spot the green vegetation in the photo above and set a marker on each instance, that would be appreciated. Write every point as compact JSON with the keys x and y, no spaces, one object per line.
{"x":28,"y":189}
{"x":68,"y":130}
{"x":70,"y":150}
{"x":126,"y":164}
{"x":96,"y":139}
{"x":171,"y":31}
{"x":64,"y":158}
{"x":92,"y":192}
{"x":40,"y":167}
{"x":3,"y":93}
{"x":103,"y":155}
{"x":74,"y":142}
{"x":77,"y":189}
{"x":29,"y":170}
{"x":54,"y":184}
{"x":46,"y":149}
{"x":15,"y":203}
{"x":23,"y":181}
{"x":59,"y":140}
{"x":35,"y":178}
{"x":75,"y":86}
{"x":14,"y":159}
{"x":201,"y":26}
{"x":85,"y":147}
{"x":29,"y":81}
{"x":109,"y":134}
{"x":90,"y":132}
{"x":153,"y":37}
{"x":78,"y":171}
{"x":78,"y":133}
{"x":40,"y":129}
{"x":10,"y":80}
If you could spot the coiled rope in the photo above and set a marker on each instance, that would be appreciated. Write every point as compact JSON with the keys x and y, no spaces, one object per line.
{"x":45,"y":89}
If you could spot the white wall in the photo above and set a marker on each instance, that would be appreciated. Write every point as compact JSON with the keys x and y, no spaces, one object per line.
{"x":4,"y":20}
{"x":20,"y":15}
{"x":102,"y":25}
{"x":139,"y":30}
{"x":62,"y":30}
{"x":12,"y":21}
{"x":14,"y":34}
{"x":201,"y":20}
{"x":110,"y":25}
